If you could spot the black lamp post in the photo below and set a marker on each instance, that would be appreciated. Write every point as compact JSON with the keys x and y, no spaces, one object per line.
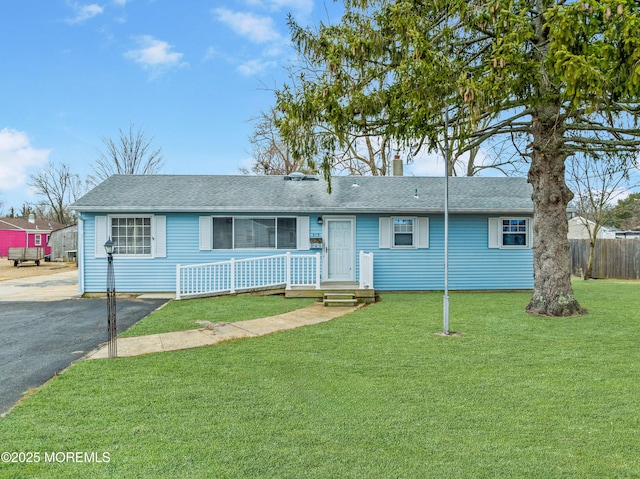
{"x":111,"y":301}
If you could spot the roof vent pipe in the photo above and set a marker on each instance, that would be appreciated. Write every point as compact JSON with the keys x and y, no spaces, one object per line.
{"x":32,"y":218}
{"x":397,"y":166}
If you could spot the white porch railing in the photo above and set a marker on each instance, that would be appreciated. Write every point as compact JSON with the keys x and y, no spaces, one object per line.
{"x":235,"y":275}
{"x":285,"y":270}
{"x":366,"y":270}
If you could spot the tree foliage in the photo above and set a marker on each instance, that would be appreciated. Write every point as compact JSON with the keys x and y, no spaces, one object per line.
{"x":25,"y":210}
{"x":626,"y":213}
{"x":562,"y":76}
{"x":132,"y":154}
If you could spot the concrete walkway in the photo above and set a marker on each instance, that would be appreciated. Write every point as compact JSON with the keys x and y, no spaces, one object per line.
{"x":219,"y":332}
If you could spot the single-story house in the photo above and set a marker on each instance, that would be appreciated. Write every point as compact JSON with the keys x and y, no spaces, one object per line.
{"x":29,"y":233}
{"x":385,"y":233}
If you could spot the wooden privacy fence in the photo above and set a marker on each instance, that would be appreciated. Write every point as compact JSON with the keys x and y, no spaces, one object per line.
{"x":613,"y":259}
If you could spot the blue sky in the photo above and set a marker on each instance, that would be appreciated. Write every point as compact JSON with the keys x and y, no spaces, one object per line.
{"x":189,"y":74}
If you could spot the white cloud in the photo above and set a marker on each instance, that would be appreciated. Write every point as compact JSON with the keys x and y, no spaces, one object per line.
{"x":17,"y":156}
{"x":84,"y":12}
{"x":253,"y":67}
{"x":154,"y":54}
{"x":257,"y":29}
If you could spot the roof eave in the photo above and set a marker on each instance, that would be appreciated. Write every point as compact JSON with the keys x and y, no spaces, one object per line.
{"x":314,"y":209}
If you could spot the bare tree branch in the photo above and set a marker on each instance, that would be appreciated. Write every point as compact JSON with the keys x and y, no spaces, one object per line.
{"x":596,"y":182}
{"x":57,"y":187}
{"x":132,"y":155}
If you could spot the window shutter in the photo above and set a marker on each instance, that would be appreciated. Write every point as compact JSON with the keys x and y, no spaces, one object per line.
{"x":160,"y":236}
{"x":206,"y":233}
{"x":385,"y":233}
{"x":423,"y":232}
{"x":101,"y":236}
{"x":494,"y":232}
{"x":303,"y":233}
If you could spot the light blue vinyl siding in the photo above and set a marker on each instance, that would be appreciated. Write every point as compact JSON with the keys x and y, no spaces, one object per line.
{"x":402,"y":269}
{"x":158,"y":274}
{"x":472,"y":264}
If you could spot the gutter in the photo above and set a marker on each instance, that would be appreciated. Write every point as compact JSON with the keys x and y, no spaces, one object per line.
{"x":315,"y":210}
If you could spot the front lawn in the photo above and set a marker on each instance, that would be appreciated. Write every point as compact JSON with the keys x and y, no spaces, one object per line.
{"x":181,"y":315}
{"x":373,"y":394}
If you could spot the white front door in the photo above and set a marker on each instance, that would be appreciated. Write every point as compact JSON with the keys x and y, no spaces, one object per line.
{"x":339,"y":258}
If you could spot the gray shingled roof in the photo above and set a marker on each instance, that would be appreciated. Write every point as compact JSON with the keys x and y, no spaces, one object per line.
{"x":22,"y":224}
{"x":253,"y":194}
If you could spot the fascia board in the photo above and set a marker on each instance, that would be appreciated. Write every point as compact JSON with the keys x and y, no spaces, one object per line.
{"x":316,"y":210}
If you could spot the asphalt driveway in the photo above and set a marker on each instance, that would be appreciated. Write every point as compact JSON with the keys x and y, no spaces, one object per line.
{"x":40,"y":338}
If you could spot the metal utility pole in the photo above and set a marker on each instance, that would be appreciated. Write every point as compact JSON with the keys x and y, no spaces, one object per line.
{"x":446,"y":222}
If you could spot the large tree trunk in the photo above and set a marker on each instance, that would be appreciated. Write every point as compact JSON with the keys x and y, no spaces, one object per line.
{"x":552,"y":290}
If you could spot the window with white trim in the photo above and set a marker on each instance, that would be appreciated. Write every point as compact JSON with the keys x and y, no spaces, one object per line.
{"x":510,"y":232}
{"x":515,"y":232}
{"x":254,"y":233}
{"x":131,"y":235}
{"x":135,"y":236}
{"x":403,"y":232}
{"x":38,"y":240}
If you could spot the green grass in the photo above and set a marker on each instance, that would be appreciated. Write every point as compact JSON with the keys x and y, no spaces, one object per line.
{"x":181,"y":315}
{"x":373,"y":394}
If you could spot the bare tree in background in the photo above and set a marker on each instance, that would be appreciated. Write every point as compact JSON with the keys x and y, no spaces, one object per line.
{"x":57,"y":187}
{"x":365,"y":156}
{"x":360,"y":155}
{"x":596,"y":182}
{"x":503,"y":155}
{"x":271,"y":156}
{"x":131,"y":155}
